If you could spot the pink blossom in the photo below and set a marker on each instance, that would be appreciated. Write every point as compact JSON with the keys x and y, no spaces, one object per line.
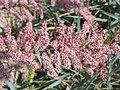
{"x":115,"y":48}
{"x":26,"y":37}
{"x":48,"y":65}
{"x":31,"y":60}
{"x":10,"y":40}
{"x":84,"y":49}
{"x":66,"y":60}
{"x":43,"y":40}
{"x":57,"y":61}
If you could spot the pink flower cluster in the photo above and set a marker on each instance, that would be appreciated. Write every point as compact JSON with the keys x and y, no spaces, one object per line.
{"x":70,"y":49}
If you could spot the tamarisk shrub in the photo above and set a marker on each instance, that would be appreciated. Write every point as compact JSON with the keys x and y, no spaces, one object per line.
{"x":71,"y":50}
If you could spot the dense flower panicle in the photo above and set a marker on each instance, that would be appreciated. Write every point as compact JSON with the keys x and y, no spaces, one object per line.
{"x":76,"y":61}
{"x":77,"y":55}
{"x":62,"y":29}
{"x":70,"y":49}
{"x":25,"y":13}
{"x":43,"y":39}
{"x":11,"y":43}
{"x":20,"y":51}
{"x":65,"y":58}
{"x":70,"y":34}
{"x":28,"y":46}
{"x":15,"y":58}
{"x":115,"y":48}
{"x":96,"y":49}
{"x":87,"y":24}
{"x":81,"y":8}
{"x":86,"y":14}
{"x":10,"y":40}
{"x":31,"y":60}
{"x":48,"y":65}
{"x":84,"y":31}
{"x":102,"y":75}
{"x":26,"y":37}
{"x":57,"y":61}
